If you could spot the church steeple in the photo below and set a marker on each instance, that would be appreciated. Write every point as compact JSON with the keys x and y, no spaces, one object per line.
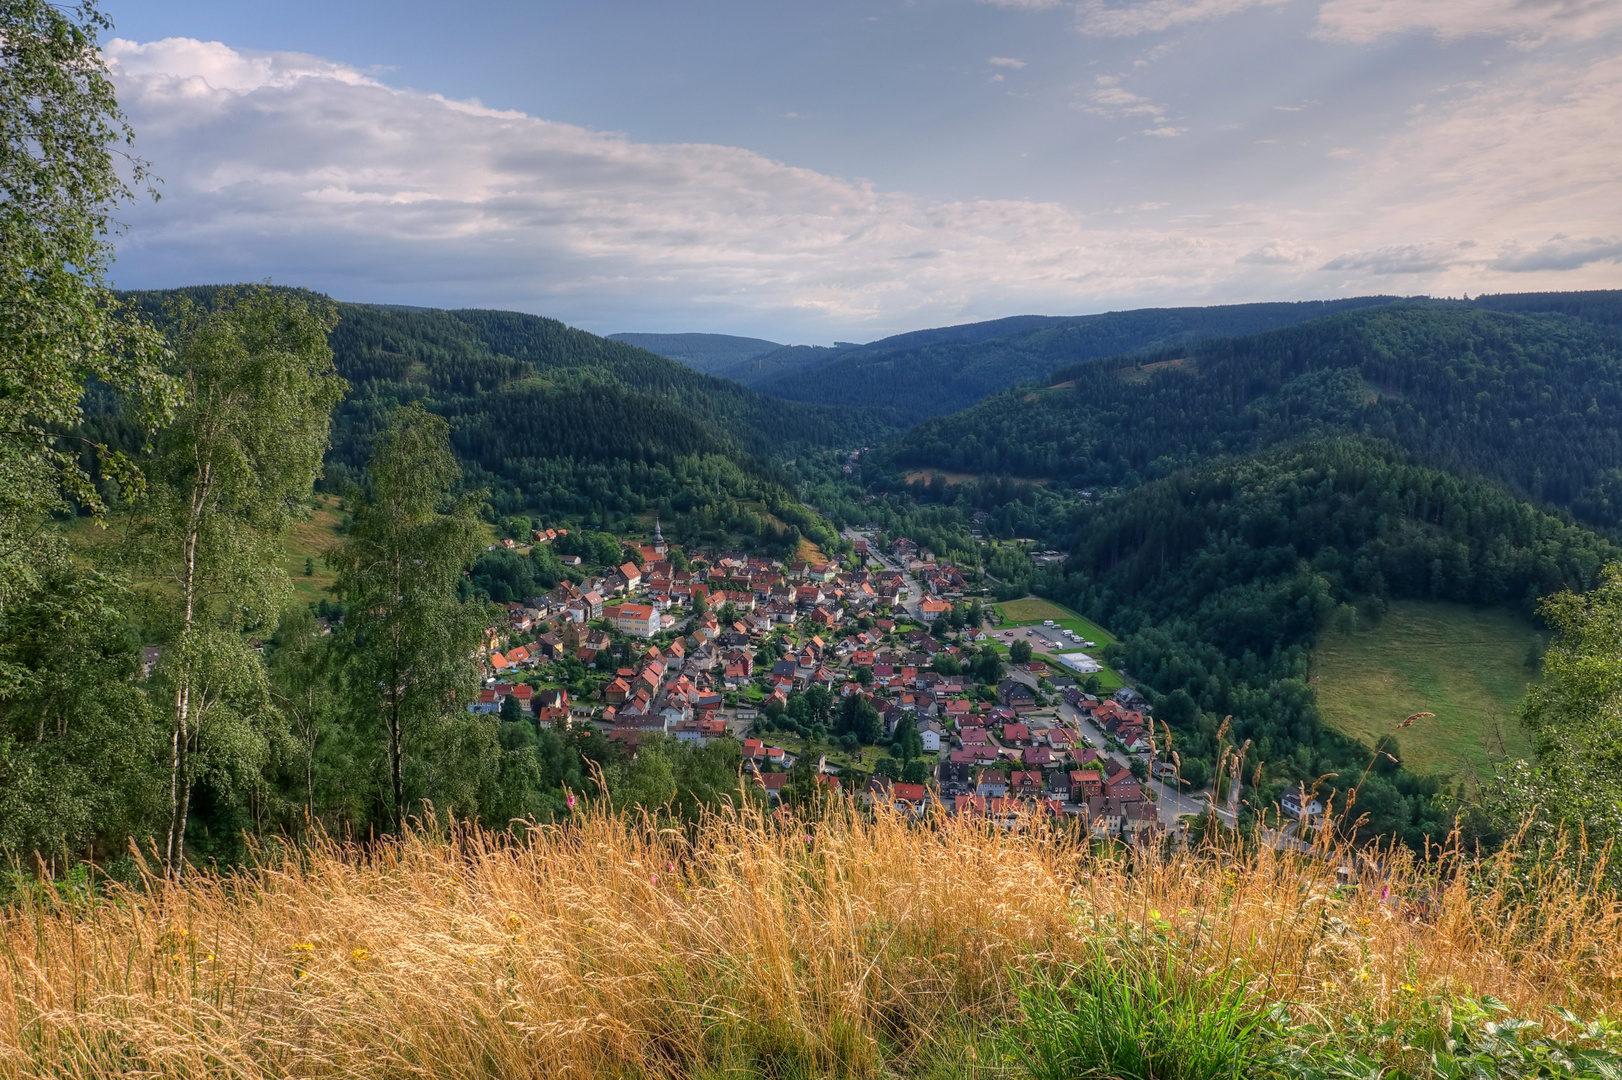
{"x":658,"y":538}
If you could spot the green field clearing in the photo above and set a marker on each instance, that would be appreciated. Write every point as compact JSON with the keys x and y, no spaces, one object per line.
{"x":1033,"y":610}
{"x":1466,"y":665}
{"x":310,"y":538}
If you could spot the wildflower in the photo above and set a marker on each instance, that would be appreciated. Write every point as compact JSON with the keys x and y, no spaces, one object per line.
{"x":653,"y":879}
{"x":359,"y":955}
{"x":303,"y":946}
{"x":571,"y":802}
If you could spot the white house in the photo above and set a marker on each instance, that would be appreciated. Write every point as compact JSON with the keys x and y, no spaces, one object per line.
{"x":1291,"y":801}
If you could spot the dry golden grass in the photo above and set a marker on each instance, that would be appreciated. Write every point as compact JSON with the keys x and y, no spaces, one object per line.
{"x":748,"y":946}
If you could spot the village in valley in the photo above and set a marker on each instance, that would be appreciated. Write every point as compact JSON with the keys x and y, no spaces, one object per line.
{"x":878,"y":673}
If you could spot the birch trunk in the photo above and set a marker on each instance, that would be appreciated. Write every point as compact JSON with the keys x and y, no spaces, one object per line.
{"x":180,"y":737}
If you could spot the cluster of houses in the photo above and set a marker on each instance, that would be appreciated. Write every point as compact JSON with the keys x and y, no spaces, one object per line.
{"x":1125,"y":719}
{"x":1008,"y":763}
{"x":763,"y":595}
{"x":1001,"y":760}
{"x":678,"y":689}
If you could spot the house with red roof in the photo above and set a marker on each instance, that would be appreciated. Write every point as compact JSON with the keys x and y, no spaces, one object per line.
{"x":640,"y":620}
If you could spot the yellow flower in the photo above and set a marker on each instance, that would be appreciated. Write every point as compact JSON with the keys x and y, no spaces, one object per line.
{"x":359,"y":955}
{"x":304,"y":946}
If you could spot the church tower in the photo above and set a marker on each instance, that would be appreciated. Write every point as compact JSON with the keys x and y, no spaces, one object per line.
{"x":658,"y":539}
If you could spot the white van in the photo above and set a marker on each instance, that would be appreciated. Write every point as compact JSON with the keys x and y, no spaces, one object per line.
{"x":1047,"y":622}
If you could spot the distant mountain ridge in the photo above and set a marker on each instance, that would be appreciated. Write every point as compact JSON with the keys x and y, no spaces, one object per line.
{"x":934,"y":372}
{"x":710,"y":353}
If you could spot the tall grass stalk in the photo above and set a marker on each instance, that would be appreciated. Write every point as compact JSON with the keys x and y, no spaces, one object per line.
{"x":750,"y":944}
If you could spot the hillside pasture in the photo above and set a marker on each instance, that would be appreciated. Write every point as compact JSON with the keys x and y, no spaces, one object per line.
{"x":1466,"y":665}
{"x":310,"y":538}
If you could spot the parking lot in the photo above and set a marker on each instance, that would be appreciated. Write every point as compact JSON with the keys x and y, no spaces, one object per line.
{"x":1049,"y":639}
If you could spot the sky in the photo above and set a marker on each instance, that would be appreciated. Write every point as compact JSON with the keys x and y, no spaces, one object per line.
{"x":848,"y":169}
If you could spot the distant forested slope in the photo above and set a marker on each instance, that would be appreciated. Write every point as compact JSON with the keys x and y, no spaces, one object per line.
{"x":710,"y":353}
{"x":1530,"y":400}
{"x":932,"y":372}
{"x":559,"y":422}
{"x":783,"y":361}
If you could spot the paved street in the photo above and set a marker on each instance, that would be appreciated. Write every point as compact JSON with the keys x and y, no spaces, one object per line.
{"x":914,"y":593}
{"x":1170,"y":803}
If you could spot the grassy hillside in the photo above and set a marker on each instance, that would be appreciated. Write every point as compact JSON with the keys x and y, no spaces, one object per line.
{"x":308,"y":539}
{"x":709,"y":353}
{"x":784,"y":949}
{"x":311,"y":540}
{"x":1467,"y":665}
{"x":932,"y":372}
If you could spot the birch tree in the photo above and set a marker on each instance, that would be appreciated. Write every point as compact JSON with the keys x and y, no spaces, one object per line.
{"x":233,"y":472}
{"x":61,"y":138}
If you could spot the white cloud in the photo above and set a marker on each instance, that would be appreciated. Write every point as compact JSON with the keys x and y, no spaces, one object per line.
{"x":1530,"y":22}
{"x":1278,"y":253}
{"x":279,"y":165}
{"x":1157,"y":16}
{"x":1426,"y":258}
{"x":1493,"y":185}
{"x":1113,"y":101}
{"x":1007,"y":62}
{"x":1558,"y":253}
{"x":312,"y":173}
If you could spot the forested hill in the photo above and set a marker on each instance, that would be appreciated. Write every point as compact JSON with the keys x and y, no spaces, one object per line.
{"x":710,"y":353}
{"x":1219,"y":578}
{"x":558,"y":422}
{"x":1530,"y":400}
{"x":932,"y":372}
